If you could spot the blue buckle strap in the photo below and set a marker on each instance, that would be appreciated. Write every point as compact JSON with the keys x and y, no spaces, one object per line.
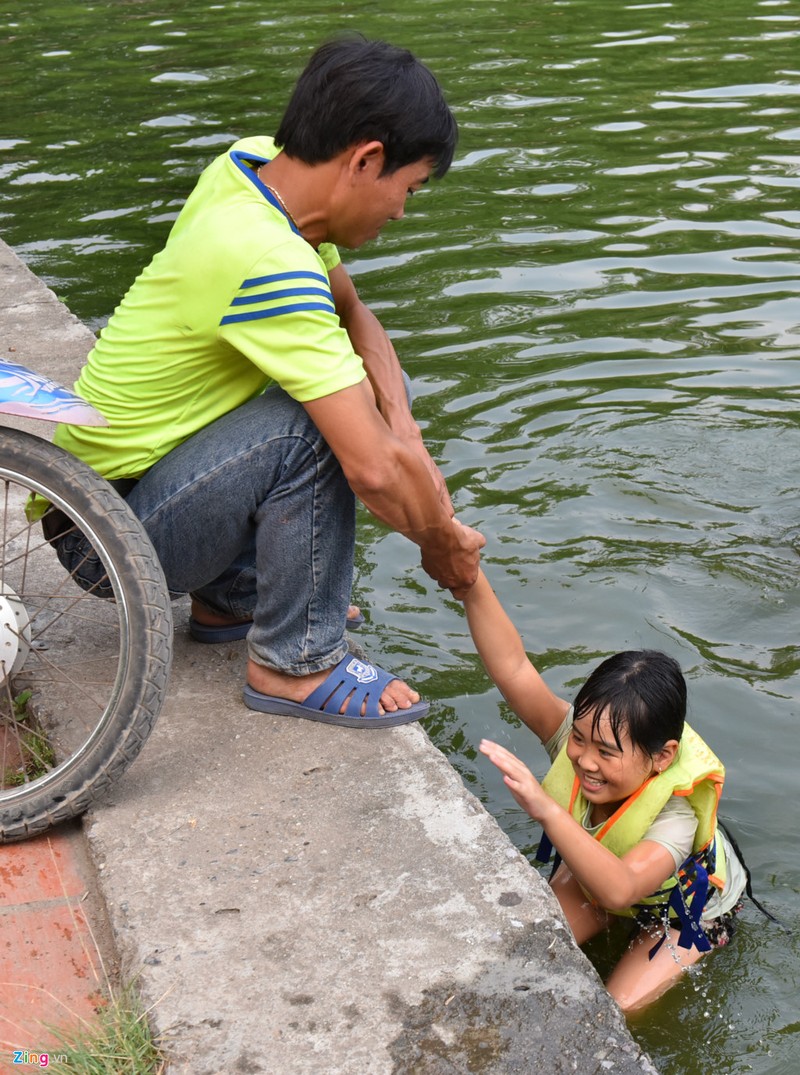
{"x":545,"y":849}
{"x":543,"y":853}
{"x":687,"y":903}
{"x":687,"y":898}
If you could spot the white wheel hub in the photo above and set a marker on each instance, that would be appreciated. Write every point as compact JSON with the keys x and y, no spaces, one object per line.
{"x":15,"y":634}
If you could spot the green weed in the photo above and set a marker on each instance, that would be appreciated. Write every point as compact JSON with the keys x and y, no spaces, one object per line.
{"x":120,"y":1043}
{"x":35,"y":753}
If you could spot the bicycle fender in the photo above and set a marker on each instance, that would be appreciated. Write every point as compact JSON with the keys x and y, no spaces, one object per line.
{"x":29,"y":395}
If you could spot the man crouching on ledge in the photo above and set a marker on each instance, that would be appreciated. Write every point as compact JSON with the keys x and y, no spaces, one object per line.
{"x":251,"y":396}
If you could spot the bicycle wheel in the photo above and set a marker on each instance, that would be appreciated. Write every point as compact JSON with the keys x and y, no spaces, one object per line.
{"x":82,"y":677}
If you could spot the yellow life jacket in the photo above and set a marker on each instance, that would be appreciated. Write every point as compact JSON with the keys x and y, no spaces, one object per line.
{"x":695,"y":773}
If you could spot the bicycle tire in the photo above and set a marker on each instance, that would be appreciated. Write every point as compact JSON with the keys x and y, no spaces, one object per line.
{"x":84,"y":677}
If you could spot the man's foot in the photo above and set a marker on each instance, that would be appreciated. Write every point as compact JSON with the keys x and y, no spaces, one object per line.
{"x":396,"y":695}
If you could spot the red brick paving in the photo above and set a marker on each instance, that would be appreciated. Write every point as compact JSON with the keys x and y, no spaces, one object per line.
{"x":50,"y":971}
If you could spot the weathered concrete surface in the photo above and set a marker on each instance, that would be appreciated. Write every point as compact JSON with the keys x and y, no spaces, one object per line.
{"x":303,"y":900}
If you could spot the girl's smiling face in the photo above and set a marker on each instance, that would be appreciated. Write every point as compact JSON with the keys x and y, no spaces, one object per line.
{"x":608,"y":772}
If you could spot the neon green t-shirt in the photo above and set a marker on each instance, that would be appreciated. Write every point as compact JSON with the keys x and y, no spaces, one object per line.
{"x":236,"y":299}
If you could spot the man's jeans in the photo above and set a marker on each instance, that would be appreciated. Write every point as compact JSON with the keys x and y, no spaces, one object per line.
{"x":253,"y":517}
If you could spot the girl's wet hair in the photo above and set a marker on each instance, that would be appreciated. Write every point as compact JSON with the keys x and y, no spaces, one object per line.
{"x":354,"y":91}
{"x":642,"y":691}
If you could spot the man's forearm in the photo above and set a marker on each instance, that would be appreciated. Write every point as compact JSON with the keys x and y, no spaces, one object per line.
{"x":370,"y":341}
{"x":395,"y":484}
{"x":385,"y":375}
{"x":398,"y":490}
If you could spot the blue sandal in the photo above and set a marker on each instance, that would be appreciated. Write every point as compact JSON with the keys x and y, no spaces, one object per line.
{"x":352,"y":681}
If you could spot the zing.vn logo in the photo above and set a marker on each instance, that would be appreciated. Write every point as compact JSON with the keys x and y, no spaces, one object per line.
{"x":35,"y":1060}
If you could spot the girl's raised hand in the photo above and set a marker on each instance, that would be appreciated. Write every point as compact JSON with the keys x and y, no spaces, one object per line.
{"x":523,"y":785}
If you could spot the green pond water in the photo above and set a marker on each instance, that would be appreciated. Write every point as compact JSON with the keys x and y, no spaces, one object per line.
{"x":600,"y":310}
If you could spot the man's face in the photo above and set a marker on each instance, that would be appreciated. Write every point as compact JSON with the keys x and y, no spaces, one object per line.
{"x":372,"y":199}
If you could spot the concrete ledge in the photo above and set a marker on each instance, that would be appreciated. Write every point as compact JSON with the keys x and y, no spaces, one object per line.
{"x":303,"y":900}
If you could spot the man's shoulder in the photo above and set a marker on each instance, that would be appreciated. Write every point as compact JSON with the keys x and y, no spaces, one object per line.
{"x":259,"y":145}
{"x":227,"y":202}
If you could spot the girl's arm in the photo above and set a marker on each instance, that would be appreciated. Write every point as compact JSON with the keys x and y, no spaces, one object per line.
{"x":615,"y":883}
{"x":500,"y":648}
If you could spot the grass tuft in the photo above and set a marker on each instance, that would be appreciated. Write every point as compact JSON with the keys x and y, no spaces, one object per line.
{"x":120,"y":1043}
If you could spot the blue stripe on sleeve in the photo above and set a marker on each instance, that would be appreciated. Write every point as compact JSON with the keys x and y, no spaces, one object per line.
{"x":276,"y":311}
{"x":286,"y":293}
{"x":277,"y":277}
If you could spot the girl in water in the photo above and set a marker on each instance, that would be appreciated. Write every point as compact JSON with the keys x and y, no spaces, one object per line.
{"x":630,"y":804}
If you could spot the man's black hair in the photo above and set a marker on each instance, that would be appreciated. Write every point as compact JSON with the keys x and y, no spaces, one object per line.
{"x":642,"y":691}
{"x":354,"y":91}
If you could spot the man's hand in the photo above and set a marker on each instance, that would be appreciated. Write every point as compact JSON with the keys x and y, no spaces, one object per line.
{"x":455,"y":566}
